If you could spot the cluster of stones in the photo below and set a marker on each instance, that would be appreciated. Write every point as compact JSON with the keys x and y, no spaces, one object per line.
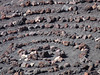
{"x":38,"y":19}
{"x":42,"y":53}
{"x":48,"y":10}
{"x":57,"y":33}
{"x":36,"y":33}
{"x":51,"y":2}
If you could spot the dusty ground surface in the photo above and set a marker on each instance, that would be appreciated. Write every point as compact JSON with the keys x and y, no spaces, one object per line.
{"x":54,"y":37}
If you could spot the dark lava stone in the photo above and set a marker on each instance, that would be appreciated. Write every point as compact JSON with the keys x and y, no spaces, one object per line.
{"x":2,"y":27}
{"x":30,"y":27}
{"x":64,"y":20}
{"x":46,"y":47}
{"x":24,"y":28}
{"x":51,"y":2}
{"x":44,"y":54}
{"x":75,"y":8}
{"x":88,"y":8}
{"x":35,"y":57}
{"x":21,"y":21}
{"x":40,"y":48}
{"x":19,"y":45}
{"x":1,"y":67}
{"x":77,"y":64}
{"x":42,"y":26}
{"x":82,"y":1}
{"x":61,"y":67}
{"x":0,"y":35}
{"x":84,"y":66}
{"x":90,"y":1}
{"x":76,"y":26}
{"x":10,"y":68}
{"x":63,"y":55}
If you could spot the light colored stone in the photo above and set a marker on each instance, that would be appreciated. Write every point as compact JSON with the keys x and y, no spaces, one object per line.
{"x":97,"y":39}
{"x":16,"y":73}
{"x":84,"y":49}
{"x":65,"y":8}
{"x":28,"y":12}
{"x":38,"y":19}
{"x":79,"y":36}
{"x":23,"y":64}
{"x":34,"y":3}
{"x":72,"y":2}
{"x":84,"y":37}
{"x":34,"y":52}
{"x":32,"y":64}
{"x":58,"y":59}
{"x":32,"y":33}
{"x":89,"y":36}
{"x":58,"y":50}
{"x":76,"y":47}
{"x":65,"y":43}
{"x":58,"y":40}
{"x":24,"y":14}
{"x":94,"y":6}
{"x":66,"y":65}
{"x":86,"y":73}
{"x":70,"y":9}
{"x":98,"y":71}
{"x":26,"y":59}
{"x":23,"y":56}
{"x":98,"y":7}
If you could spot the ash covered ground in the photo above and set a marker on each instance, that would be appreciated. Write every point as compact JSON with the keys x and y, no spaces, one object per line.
{"x":54,"y":37}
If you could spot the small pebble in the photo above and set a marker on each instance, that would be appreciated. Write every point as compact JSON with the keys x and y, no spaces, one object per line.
{"x":65,"y":8}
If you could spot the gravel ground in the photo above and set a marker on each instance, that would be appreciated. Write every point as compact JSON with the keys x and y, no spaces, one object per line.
{"x":54,"y":37}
